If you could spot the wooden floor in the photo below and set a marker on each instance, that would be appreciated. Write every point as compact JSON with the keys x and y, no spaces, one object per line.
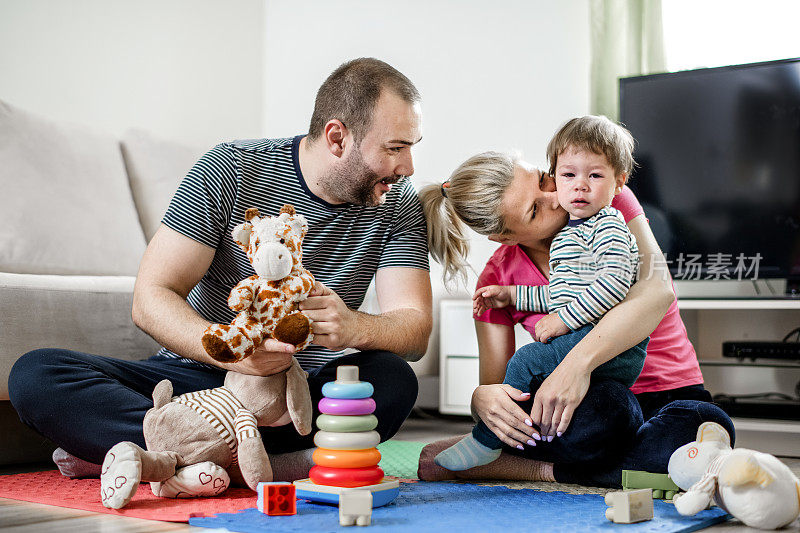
{"x":24,"y":517}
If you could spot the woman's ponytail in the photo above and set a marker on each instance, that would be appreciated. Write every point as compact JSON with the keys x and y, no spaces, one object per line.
{"x":447,"y":241}
{"x":472,"y":197}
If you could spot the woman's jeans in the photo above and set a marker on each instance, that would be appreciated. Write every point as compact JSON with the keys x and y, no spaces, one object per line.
{"x":613,"y":430}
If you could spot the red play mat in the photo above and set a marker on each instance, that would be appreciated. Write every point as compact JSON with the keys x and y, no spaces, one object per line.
{"x":51,"y":488}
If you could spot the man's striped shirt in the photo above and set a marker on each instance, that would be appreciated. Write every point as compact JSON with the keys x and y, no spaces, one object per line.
{"x":345,"y":244}
{"x":593,"y":263}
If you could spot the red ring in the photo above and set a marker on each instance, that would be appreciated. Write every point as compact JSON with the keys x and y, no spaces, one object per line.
{"x":346,"y":477}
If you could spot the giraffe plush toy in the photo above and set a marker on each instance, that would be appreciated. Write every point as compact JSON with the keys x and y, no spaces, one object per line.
{"x":267,"y":302}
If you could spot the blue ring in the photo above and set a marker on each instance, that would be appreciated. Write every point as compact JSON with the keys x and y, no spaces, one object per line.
{"x":347,"y":391}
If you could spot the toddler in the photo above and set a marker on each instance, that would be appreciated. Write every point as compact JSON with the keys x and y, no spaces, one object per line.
{"x":593,"y":263}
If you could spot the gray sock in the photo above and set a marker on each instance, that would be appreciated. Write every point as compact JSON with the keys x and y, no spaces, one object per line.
{"x":73,"y":467}
{"x":466,"y":453}
{"x":291,"y":466}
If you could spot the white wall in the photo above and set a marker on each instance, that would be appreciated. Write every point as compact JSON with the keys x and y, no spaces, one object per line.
{"x":501,"y":76}
{"x":189,"y":70}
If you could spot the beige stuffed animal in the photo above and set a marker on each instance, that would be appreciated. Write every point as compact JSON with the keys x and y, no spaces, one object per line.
{"x":754,"y":487}
{"x":198,"y":441}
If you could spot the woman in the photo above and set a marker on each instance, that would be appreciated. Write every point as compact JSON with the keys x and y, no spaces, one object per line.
{"x":588,"y":430}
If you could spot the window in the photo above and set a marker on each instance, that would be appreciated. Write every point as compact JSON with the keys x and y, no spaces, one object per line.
{"x":712,"y":33}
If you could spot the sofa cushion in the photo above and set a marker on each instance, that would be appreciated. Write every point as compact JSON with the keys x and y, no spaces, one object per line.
{"x":155,"y":168}
{"x":66,"y":206}
{"x":89,"y":314}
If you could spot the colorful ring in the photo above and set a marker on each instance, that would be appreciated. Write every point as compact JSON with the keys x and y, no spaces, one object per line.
{"x":347,"y":441}
{"x":346,"y":458}
{"x":336,"y":406}
{"x":351,"y":391}
{"x":347,"y":424}
{"x":346,"y":477}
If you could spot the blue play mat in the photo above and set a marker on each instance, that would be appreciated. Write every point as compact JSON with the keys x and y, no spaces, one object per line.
{"x":465,"y":508}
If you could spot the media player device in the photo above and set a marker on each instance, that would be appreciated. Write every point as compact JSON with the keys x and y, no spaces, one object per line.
{"x":756,"y":350}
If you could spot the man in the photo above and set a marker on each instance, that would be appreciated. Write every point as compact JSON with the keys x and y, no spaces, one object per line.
{"x":347,"y":177}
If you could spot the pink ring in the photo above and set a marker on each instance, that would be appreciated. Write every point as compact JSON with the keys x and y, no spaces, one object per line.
{"x":337,"y":406}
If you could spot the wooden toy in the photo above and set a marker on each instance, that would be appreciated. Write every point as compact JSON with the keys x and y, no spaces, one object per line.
{"x":627,"y":507}
{"x":346,"y":458}
{"x":277,"y":499}
{"x":355,"y":508}
{"x":663,"y":487}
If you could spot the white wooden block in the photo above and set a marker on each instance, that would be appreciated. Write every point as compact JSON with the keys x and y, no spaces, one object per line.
{"x":629,"y":506}
{"x":355,"y":507}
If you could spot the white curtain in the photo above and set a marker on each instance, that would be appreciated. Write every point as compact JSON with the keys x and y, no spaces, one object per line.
{"x":627,"y":40}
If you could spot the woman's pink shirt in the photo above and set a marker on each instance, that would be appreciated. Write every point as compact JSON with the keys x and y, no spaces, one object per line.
{"x":671,"y":361}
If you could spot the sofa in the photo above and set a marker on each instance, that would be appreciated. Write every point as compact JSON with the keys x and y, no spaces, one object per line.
{"x":76,"y":212}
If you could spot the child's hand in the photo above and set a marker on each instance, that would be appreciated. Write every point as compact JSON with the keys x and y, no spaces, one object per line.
{"x":549,"y":327}
{"x":493,"y":297}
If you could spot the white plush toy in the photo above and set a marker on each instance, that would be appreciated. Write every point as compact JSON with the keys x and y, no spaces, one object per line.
{"x":754,"y":487}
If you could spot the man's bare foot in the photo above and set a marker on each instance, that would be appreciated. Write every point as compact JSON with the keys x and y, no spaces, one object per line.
{"x":430,"y":471}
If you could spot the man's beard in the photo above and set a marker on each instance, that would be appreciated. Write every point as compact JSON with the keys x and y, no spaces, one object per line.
{"x":353,"y":182}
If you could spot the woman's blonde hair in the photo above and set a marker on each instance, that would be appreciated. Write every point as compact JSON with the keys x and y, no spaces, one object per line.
{"x":473,"y":196}
{"x":596,"y":134}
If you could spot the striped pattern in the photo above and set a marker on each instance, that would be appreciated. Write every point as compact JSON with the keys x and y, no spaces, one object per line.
{"x":245,"y":424}
{"x":344,"y":247}
{"x":592,"y":265}
{"x":218,"y":407}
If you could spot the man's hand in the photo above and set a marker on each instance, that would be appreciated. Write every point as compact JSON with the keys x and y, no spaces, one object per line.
{"x":270,"y":358}
{"x":549,"y":327}
{"x":493,"y":297}
{"x":494,"y":405}
{"x":558,"y":397}
{"x":333,"y":323}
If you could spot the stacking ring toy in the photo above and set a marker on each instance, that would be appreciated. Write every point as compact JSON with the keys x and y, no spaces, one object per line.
{"x":347,"y":424}
{"x":347,"y":441}
{"x":346,"y":458}
{"x":336,"y":406}
{"x":346,"y":477}
{"x":357,"y":390}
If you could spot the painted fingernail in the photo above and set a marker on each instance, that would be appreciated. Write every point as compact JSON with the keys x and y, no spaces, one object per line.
{"x":559,"y":434}
{"x":528,"y":422}
{"x":531,"y":443}
{"x":549,"y":438}
{"x":526,"y":393}
{"x":536,"y":436}
{"x":520,"y":447}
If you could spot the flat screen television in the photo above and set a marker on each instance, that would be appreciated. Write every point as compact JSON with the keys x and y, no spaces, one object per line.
{"x":719,"y":175}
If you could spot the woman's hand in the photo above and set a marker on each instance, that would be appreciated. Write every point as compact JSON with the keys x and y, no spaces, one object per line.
{"x":494,"y":405}
{"x":558,"y":397}
{"x":548,"y":327}
{"x":493,"y":297}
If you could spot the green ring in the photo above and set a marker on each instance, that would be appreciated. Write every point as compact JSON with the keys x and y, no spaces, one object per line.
{"x":347,"y":424}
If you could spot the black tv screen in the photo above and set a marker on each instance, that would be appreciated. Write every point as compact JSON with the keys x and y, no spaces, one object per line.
{"x":719,"y":176}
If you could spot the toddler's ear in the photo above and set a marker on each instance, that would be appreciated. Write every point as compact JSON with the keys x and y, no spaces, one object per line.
{"x":621,"y":179}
